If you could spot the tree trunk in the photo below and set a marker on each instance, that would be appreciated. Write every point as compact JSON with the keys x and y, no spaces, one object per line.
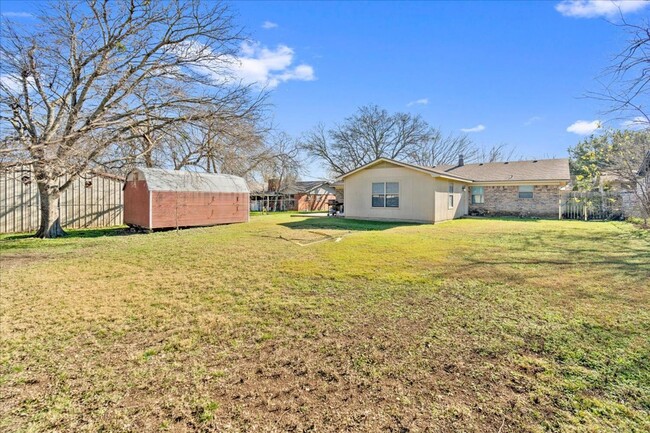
{"x":50,"y":226}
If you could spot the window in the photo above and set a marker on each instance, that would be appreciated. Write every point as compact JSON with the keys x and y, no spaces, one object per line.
{"x":477,"y":195}
{"x":385,"y":194}
{"x":392,"y":194}
{"x":450,"y":198}
{"x":526,"y":191}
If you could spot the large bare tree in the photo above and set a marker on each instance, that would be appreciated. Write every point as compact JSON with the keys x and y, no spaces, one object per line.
{"x":371,"y":133}
{"x":93,"y":75}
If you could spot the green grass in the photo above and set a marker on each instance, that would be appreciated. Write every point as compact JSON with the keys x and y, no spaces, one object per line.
{"x":322,"y":324}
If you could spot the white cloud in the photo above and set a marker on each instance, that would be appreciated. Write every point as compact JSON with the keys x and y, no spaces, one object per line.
{"x":17,"y":15}
{"x":13,"y":84}
{"x":638,"y":122}
{"x":269,"y":25}
{"x":269,"y":67}
{"x":477,"y":128}
{"x":421,"y":101}
{"x":599,"y":8}
{"x":584,"y":127}
{"x":532,"y":120}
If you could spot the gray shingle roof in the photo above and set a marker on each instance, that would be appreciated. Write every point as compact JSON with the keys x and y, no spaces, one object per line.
{"x":308,"y":185}
{"x":539,"y":169}
{"x":176,"y":180}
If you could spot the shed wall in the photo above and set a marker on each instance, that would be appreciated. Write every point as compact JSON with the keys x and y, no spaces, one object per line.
{"x":190,"y":209}
{"x":136,"y":203}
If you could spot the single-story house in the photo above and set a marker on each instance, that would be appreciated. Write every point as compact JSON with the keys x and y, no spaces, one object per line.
{"x":392,"y":190}
{"x":312,"y":195}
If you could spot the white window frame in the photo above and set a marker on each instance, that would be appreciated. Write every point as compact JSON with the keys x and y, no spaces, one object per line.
{"x":384,"y":195}
{"x":450,"y":195}
{"x":531,"y":192}
{"x":482,"y":194}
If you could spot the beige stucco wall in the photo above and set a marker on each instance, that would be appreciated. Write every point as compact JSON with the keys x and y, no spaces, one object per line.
{"x":415,"y":194}
{"x":443,"y":211}
{"x":420,"y":194}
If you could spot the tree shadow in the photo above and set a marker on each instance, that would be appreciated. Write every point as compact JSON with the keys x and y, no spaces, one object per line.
{"x":75,"y":234}
{"x":507,"y":218}
{"x":325,"y":223}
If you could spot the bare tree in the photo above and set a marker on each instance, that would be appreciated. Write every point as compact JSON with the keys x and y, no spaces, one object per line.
{"x":626,"y":82}
{"x":495,"y":153}
{"x":281,"y":164}
{"x":369,"y":134}
{"x":95,"y":74}
{"x":439,"y":149}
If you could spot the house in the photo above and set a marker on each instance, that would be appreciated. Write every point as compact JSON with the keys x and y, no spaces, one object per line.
{"x":297,"y":195}
{"x":313,"y":195}
{"x":155,"y":198}
{"x":386,"y":189}
{"x":632,"y":198}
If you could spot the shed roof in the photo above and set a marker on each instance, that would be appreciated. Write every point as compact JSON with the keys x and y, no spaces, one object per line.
{"x":159,"y":179}
{"x":539,"y":169}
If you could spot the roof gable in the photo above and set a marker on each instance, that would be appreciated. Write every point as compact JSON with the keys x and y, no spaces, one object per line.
{"x":387,"y":163}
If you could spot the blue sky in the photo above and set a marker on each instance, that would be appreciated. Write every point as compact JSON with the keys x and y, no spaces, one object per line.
{"x":505,"y":72}
{"x":518,"y":69}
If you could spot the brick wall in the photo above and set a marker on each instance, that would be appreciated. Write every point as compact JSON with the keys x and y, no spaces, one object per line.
{"x":312,"y":202}
{"x":504,"y":200}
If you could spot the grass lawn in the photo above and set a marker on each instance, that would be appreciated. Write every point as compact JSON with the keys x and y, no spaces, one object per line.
{"x":314,"y":324}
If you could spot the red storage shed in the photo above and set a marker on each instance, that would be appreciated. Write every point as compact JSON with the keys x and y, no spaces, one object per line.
{"x":156,"y":198}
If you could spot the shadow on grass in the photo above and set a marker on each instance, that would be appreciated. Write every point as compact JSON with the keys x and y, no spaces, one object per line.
{"x":75,"y":234}
{"x":344,"y":224}
{"x":623,"y":252}
{"x":507,"y":218}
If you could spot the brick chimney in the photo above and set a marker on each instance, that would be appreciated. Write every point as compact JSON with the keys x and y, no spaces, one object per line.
{"x":461,"y":160}
{"x":273,"y":185}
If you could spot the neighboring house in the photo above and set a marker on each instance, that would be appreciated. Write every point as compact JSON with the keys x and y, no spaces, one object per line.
{"x":644,"y":169}
{"x":312,"y":195}
{"x":631,"y":201}
{"x":392,"y":190}
{"x":298,"y":196}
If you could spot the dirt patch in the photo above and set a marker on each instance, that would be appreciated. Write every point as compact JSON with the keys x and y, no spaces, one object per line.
{"x":8,"y":261}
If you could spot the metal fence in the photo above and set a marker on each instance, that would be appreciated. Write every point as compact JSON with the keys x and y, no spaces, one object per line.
{"x":592,"y":205}
{"x":93,"y":200}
